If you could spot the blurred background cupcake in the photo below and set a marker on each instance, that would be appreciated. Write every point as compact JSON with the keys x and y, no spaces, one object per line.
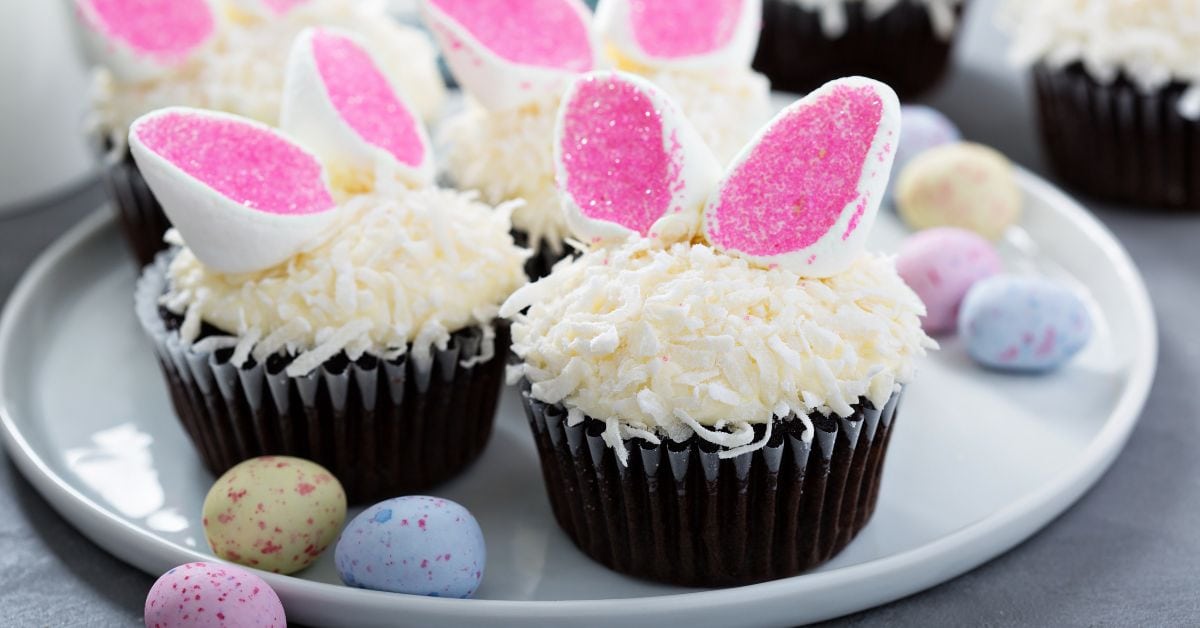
{"x":1118,"y":94}
{"x":904,"y":43}
{"x":224,"y":55}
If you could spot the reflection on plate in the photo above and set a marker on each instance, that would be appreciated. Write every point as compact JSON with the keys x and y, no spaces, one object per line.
{"x":979,"y":462}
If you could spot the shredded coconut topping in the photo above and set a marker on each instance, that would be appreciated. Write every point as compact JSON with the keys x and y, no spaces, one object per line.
{"x":1151,"y":42}
{"x":243,"y":71}
{"x":508,"y":155}
{"x":396,"y":274}
{"x":727,"y":107}
{"x":682,"y":339}
{"x":834,"y":21}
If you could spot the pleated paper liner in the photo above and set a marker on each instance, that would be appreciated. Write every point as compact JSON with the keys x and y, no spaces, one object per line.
{"x":679,"y":514}
{"x":899,"y":48}
{"x":143,"y":222}
{"x":384,"y":428}
{"x":1116,"y":143}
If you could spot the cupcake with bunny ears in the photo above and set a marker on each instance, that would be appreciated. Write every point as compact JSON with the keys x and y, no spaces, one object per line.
{"x":699,"y":54}
{"x":325,"y":301}
{"x":224,"y":55}
{"x":514,"y":60}
{"x":713,"y":383}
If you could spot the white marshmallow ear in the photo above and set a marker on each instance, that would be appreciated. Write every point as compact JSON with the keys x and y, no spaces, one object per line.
{"x":244,"y":196}
{"x":139,"y":40}
{"x":804,"y":194}
{"x":693,"y":34}
{"x":507,"y":53}
{"x":340,"y":104}
{"x":626,"y":159}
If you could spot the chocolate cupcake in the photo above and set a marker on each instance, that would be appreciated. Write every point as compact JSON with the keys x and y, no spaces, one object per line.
{"x":712,"y":386}
{"x":224,"y":55}
{"x":1118,"y":95}
{"x":700,"y":56}
{"x":904,"y":43}
{"x":513,"y":61}
{"x":327,"y":305}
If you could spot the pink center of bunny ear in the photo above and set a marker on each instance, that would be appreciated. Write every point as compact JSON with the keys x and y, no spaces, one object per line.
{"x":617,"y":167}
{"x":801,"y":175}
{"x":544,"y":33}
{"x":365,"y":99}
{"x":165,"y":29}
{"x":248,"y":164}
{"x":282,"y":7}
{"x":682,"y":29}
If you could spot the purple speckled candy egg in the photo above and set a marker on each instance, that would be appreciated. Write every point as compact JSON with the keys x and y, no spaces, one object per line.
{"x":1029,"y":324}
{"x":921,"y":128}
{"x":940,"y":265}
{"x":210,"y":594}
{"x":418,"y":545}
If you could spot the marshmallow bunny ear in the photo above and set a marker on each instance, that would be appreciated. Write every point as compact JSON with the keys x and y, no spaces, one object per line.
{"x":341,"y":105}
{"x":804,"y":194}
{"x":626,"y":158}
{"x":244,"y":197}
{"x":697,"y":33}
{"x":141,"y":39}
{"x":506,"y":53}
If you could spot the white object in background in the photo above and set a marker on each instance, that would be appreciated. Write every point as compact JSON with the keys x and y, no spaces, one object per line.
{"x":42,"y":145}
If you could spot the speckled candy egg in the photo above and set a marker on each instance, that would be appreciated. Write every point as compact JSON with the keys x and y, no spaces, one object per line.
{"x":940,"y":265}
{"x":418,"y":545}
{"x":961,"y":185}
{"x":921,"y":128}
{"x":274,"y":513}
{"x":208,"y":594}
{"x":1023,"y":323}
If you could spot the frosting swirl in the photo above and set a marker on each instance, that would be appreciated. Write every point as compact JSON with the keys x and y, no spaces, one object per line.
{"x":398,"y":273}
{"x":673,"y":339}
{"x":243,"y":71}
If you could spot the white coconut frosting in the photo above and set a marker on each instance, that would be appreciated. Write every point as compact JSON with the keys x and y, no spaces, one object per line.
{"x":666,"y":341}
{"x":507,"y":155}
{"x":1151,"y":42}
{"x":726,"y":106}
{"x":942,"y":15}
{"x":242,"y":72}
{"x":400,"y":272}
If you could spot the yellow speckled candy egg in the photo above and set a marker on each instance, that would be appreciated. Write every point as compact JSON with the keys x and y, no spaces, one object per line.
{"x":963,"y":185}
{"x":274,"y":513}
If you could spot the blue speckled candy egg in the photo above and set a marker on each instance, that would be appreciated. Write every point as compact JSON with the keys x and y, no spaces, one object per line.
{"x":921,"y":128}
{"x":1028,"y":324}
{"x":418,"y":545}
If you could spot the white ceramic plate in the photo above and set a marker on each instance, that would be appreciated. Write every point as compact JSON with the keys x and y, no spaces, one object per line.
{"x":980,"y":461}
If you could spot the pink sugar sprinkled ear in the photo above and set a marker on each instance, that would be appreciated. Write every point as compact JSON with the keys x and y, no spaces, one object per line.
{"x":806,"y":191}
{"x":249,"y":165}
{"x":282,"y":7}
{"x":164,"y":30}
{"x":617,"y":167}
{"x":543,"y":33}
{"x":365,"y":99}
{"x":682,"y":29}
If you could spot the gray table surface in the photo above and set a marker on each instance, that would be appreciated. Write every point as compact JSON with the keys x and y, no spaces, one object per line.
{"x":1127,"y":554}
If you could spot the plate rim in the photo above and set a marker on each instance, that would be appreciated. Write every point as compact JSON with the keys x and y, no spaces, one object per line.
{"x":1005,"y":528}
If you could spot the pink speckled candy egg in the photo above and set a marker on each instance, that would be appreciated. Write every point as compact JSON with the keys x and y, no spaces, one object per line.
{"x":941,"y":265}
{"x":417,"y":545}
{"x":274,"y":513}
{"x":212,"y":595}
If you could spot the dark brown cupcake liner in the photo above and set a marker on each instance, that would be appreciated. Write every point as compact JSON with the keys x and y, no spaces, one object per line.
{"x":141,"y":216}
{"x":899,"y":48}
{"x":1116,"y":142}
{"x":544,"y":257}
{"x":384,"y":428}
{"x":678,"y":513}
